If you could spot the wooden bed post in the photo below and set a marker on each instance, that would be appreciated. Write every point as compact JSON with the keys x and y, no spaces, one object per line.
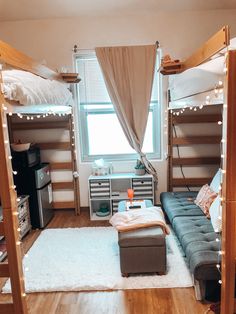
{"x":229,"y":190}
{"x":9,"y":225}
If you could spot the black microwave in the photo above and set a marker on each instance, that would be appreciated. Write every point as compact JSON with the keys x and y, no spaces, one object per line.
{"x":26,"y":159}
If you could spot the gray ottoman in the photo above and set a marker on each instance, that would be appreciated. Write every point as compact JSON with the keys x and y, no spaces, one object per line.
{"x":142,"y":251}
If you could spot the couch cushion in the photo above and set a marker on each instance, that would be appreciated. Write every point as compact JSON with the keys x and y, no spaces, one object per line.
{"x":191,"y":229}
{"x":177,"y":204}
{"x":198,"y":241}
{"x":152,"y":236}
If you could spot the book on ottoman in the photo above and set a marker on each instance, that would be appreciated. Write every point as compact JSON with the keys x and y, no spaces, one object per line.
{"x":138,"y":204}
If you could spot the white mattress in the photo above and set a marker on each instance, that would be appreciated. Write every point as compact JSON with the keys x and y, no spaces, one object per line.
{"x":196,"y":80}
{"x":191,"y":87}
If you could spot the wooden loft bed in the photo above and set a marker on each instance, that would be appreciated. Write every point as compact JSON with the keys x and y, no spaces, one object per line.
{"x":8,"y":226}
{"x":214,"y":45}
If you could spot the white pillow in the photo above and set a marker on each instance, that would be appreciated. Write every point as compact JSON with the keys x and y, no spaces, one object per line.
{"x":215,"y":212}
{"x":216,"y":181}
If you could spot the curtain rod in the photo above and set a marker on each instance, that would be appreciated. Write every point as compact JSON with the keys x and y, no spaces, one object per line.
{"x":76,"y":48}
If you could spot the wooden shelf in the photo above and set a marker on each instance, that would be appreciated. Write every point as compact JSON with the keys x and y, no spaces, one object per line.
{"x":71,"y":77}
{"x":171,"y":68}
{"x":181,"y":182}
{"x":188,"y":119}
{"x":196,"y":161}
{"x":196,"y":140}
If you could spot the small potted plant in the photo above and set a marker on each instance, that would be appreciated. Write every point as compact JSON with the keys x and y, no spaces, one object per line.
{"x":139,"y":168}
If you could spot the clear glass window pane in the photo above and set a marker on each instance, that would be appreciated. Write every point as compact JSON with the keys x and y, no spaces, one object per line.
{"x":106,"y":135}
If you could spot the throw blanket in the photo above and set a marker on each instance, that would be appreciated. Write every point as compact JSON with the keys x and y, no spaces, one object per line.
{"x":139,"y":218}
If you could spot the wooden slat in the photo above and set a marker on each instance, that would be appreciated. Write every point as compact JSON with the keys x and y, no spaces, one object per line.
{"x":229,"y":190}
{"x":61,"y":165}
{"x":4,"y":270}
{"x":55,"y":145}
{"x":63,"y":205}
{"x":15,"y":58}
{"x":213,"y":118}
{"x":63,"y":186}
{"x":2,"y":232}
{"x":192,"y":161}
{"x":181,"y":182}
{"x":40,"y":125}
{"x":7,"y":308}
{"x":196,"y":140}
{"x":216,"y":43}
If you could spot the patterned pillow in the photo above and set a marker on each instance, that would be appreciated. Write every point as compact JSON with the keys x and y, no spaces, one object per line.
{"x":205,"y":198}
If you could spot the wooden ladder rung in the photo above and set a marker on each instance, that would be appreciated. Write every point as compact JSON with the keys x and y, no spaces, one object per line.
{"x":55,"y":145}
{"x":181,"y":182}
{"x":2,"y":231}
{"x":41,"y":125}
{"x":4,"y":270}
{"x":7,"y":308}
{"x":63,"y":185}
{"x":191,"y":140}
{"x":63,"y":205}
{"x":61,"y":166}
{"x":206,"y":118}
{"x":196,"y":161}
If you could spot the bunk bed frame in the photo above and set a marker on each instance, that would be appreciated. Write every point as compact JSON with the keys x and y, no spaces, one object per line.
{"x":9,"y":225}
{"x":214,"y":45}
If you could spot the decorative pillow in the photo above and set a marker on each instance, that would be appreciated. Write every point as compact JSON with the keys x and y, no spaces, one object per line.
{"x":215,"y":183}
{"x":205,"y":198}
{"x":215,"y":212}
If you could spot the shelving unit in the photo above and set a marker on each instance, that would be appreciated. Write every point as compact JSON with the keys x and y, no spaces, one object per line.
{"x":188,"y":141}
{"x":109,"y":190}
{"x":60,"y":123}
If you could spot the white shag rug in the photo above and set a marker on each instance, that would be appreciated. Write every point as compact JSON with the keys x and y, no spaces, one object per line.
{"x":82,"y":259}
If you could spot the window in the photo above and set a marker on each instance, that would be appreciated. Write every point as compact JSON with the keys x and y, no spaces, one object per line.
{"x":101,"y":135}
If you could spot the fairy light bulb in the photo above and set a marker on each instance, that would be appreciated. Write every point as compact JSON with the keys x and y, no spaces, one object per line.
{"x":10,"y":157}
{"x":218,"y":266}
{"x":220,"y":281}
{"x":4,"y":125}
{"x":14,"y":172}
{"x":219,"y":122}
{"x":217,"y":240}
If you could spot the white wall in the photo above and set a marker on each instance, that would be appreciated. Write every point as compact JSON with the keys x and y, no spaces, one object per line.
{"x":179,"y":34}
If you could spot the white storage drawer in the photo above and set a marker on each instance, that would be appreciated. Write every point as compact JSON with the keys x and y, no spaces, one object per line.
{"x":100,"y":188}
{"x":23,"y":209}
{"x":24,"y":226}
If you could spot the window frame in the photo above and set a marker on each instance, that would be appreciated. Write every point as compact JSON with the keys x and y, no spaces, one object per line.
{"x":83,"y":127}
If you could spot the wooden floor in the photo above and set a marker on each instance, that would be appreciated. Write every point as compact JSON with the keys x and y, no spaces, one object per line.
{"x":143,"y":301}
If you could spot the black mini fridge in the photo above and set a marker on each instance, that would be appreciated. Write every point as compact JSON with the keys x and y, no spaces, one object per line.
{"x":35,"y":181}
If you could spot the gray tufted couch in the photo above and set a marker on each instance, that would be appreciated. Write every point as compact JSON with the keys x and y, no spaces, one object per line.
{"x":196,"y":235}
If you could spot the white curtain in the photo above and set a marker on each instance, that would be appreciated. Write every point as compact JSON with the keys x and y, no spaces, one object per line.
{"x":128,"y":73}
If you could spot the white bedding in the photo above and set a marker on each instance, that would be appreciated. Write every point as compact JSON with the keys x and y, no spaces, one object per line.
{"x":200,"y":79}
{"x":29,"y":89}
{"x":196,"y":80}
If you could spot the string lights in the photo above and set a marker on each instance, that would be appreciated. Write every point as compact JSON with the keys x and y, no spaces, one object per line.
{"x":218,"y":91}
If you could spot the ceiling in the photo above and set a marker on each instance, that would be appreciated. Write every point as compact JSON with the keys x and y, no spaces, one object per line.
{"x":12,"y":10}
